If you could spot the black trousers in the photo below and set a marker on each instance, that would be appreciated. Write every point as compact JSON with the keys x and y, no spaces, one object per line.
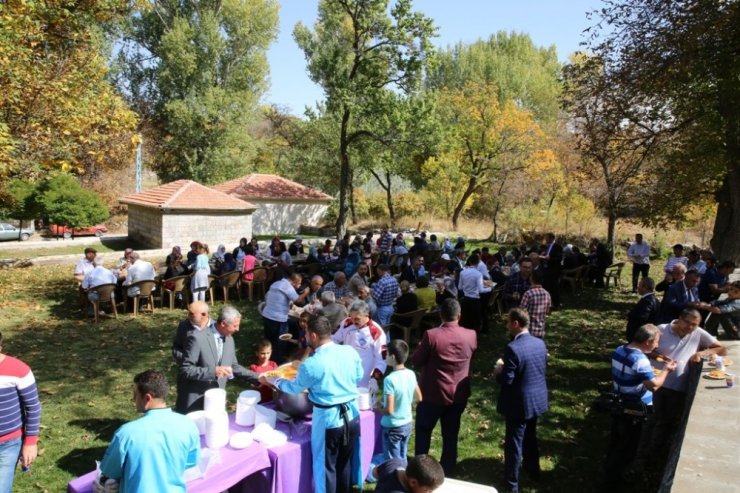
{"x":471,"y":313}
{"x":638,"y":269}
{"x":338,"y":457}
{"x":625,"y":438}
{"x":427,"y":415}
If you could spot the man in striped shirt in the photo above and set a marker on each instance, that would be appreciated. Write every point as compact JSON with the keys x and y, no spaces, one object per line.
{"x":20,"y":417}
{"x":633,"y":378}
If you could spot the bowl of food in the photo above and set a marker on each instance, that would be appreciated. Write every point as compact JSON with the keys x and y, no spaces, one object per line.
{"x":294,"y":405}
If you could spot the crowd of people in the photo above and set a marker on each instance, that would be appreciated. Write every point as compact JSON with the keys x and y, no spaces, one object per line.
{"x":340,"y":336}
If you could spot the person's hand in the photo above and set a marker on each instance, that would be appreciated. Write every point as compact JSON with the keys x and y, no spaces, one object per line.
{"x":224,"y":372}
{"x":696,"y":357}
{"x":372,"y":386}
{"x":28,"y":455}
{"x":515,"y":296}
{"x":307,"y":291}
{"x":670,"y":365}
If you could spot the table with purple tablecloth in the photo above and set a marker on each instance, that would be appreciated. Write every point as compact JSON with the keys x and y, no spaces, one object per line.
{"x":283,"y":469}
{"x":235,"y":466}
{"x":292,"y":465}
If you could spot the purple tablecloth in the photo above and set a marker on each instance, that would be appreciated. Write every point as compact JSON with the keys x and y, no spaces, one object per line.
{"x":292,"y":464}
{"x":284,"y":469}
{"x":234,"y":467}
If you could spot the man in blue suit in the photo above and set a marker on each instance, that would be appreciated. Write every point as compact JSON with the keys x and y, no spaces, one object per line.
{"x":680,"y":296}
{"x":523,"y":397}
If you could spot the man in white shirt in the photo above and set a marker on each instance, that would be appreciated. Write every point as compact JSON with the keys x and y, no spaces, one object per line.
{"x":368,"y":339}
{"x":85,"y":265}
{"x":471,"y":285}
{"x":97,"y":277}
{"x":639,"y":254}
{"x":139,"y":270}
{"x":277,"y":306}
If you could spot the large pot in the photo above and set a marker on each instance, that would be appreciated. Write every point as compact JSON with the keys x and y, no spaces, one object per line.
{"x":294,"y":405}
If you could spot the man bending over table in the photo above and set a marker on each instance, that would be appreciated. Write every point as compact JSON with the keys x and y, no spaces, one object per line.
{"x":331,"y":376}
{"x":153,"y":451}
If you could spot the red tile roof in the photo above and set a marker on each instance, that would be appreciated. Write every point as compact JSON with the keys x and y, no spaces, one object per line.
{"x":186,"y":195}
{"x":270,"y":187}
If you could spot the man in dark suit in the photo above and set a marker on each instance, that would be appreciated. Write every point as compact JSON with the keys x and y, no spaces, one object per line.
{"x":679,"y":296}
{"x":646,"y":310}
{"x":198,"y":319}
{"x":554,"y":266}
{"x":523,"y":397}
{"x":444,"y":356}
{"x":210,"y":361}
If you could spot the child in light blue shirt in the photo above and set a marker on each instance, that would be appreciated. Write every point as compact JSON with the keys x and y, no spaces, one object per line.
{"x":398,"y":397}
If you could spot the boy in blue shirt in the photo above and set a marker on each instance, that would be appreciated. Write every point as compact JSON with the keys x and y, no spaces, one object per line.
{"x":398,"y":396}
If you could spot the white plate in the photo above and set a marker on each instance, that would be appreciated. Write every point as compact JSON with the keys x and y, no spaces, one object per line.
{"x":240,"y":440}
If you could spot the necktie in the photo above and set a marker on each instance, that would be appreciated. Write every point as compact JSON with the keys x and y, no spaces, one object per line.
{"x":220,"y":346}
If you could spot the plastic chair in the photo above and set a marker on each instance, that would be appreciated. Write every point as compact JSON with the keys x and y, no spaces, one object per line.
{"x":259,"y":280}
{"x":409,"y":322}
{"x":614,"y":271}
{"x":146,"y":289}
{"x":106,"y":294}
{"x":226,"y":282}
{"x":179,"y":285}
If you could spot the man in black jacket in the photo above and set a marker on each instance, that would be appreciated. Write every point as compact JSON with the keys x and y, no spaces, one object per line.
{"x":646,"y":310}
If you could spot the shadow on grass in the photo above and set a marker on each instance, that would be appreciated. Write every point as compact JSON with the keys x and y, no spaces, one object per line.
{"x":80,"y":460}
{"x":103,"y":428}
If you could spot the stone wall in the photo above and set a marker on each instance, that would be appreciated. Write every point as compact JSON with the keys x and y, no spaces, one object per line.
{"x":145,"y":226}
{"x":210,"y":227}
{"x":285,"y":217}
{"x":152,"y":229}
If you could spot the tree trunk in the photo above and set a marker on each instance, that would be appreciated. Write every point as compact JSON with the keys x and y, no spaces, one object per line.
{"x":611,"y":235}
{"x":389,"y":200}
{"x":472,"y":182}
{"x":344,"y":176}
{"x":352,"y":212}
{"x":726,"y":234}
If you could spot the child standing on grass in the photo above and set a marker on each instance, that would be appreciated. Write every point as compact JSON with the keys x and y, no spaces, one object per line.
{"x":202,"y":269}
{"x":398,"y":396}
{"x":263,"y":351}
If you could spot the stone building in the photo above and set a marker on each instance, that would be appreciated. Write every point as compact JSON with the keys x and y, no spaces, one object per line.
{"x":283,"y":205}
{"x":182,"y":211}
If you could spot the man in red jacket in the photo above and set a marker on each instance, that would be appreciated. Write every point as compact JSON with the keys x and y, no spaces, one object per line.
{"x":444,"y":356}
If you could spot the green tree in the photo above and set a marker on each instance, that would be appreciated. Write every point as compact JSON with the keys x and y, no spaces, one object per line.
{"x":19,"y":201}
{"x":521,"y":71}
{"x":615,"y":150}
{"x":358,"y":52}
{"x":58,"y":111}
{"x":62,"y":200}
{"x":681,"y":58}
{"x":485,"y":142}
{"x":195,"y":71}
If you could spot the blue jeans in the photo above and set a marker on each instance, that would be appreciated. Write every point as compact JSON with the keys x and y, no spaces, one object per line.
{"x":383,"y":314}
{"x":9,"y":452}
{"x":396,"y":442}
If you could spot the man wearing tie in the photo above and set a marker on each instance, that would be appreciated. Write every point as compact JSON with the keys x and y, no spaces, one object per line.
{"x":209,"y":361}
{"x":679,"y":296}
{"x":523,"y":397}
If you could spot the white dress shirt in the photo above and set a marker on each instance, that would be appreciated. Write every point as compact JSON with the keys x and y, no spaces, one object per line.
{"x":140,"y":271}
{"x":639,"y":253}
{"x":471,"y":283}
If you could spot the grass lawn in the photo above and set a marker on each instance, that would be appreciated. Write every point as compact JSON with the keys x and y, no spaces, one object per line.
{"x":84,"y":375}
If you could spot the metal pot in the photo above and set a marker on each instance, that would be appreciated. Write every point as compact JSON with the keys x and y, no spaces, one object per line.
{"x":294,"y":405}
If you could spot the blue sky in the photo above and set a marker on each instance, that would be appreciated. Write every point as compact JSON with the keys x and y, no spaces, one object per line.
{"x":552,"y":22}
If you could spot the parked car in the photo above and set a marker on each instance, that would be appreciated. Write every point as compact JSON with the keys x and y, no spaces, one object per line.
{"x":66,"y":231}
{"x":10,"y":232}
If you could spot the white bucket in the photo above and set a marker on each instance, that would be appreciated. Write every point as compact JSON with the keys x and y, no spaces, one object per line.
{"x":245,"y":407}
{"x":217,"y":429}
{"x":199,"y":418}
{"x":363,"y":399}
{"x":215,"y":400}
